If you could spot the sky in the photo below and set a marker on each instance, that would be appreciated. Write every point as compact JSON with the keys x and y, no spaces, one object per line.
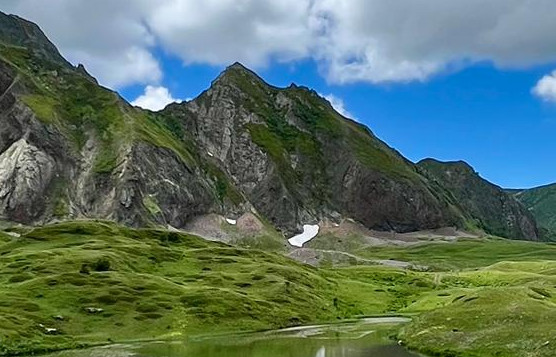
{"x":469,"y":80}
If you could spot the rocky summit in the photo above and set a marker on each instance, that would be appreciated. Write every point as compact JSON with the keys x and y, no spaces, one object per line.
{"x":70,"y":148}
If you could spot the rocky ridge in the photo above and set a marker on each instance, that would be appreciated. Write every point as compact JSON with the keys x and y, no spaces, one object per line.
{"x":70,"y":148}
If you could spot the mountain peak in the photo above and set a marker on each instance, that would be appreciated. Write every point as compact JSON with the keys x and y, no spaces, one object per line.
{"x":16,"y":31}
{"x":237,"y":66}
{"x":238,"y":74}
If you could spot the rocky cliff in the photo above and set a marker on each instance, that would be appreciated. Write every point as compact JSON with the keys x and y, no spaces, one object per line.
{"x":70,"y":148}
{"x":297,"y":160}
{"x":487,"y":206}
{"x":541,"y":202}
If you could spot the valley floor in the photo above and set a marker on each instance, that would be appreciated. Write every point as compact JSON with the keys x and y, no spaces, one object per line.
{"x":75,"y":284}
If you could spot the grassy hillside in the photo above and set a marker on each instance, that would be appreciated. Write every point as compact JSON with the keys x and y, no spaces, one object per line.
{"x":75,"y":105}
{"x":541,"y":202}
{"x":97,"y":282}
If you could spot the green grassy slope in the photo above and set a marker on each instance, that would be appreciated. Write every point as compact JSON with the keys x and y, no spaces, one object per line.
{"x":77,"y":106}
{"x":320,"y":122}
{"x":541,"y":202}
{"x":154,"y":284}
{"x":97,"y":282}
{"x":466,"y":254}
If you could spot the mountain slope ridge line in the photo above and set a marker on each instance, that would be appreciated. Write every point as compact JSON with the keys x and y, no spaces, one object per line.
{"x":283,"y":153}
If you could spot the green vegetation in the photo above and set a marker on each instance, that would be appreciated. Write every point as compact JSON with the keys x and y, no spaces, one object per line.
{"x":268,"y":239}
{"x":376,"y":155}
{"x":152,"y":206}
{"x":274,"y":147}
{"x":80,"y":283}
{"x":541,"y":202}
{"x":466,"y":254}
{"x":43,"y":107}
{"x":224,"y":188}
{"x":97,"y":282}
{"x":81,"y":109}
{"x":16,"y":55}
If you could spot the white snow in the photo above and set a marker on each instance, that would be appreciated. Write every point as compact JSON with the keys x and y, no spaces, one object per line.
{"x":233,"y":222}
{"x":309,"y":232}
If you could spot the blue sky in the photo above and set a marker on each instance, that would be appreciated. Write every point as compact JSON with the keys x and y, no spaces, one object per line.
{"x":454,"y":80}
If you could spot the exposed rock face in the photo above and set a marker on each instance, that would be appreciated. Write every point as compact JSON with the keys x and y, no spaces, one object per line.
{"x":541,"y":202}
{"x":25,"y":173}
{"x":492,"y":209}
{"x":45,"y":173}
{"x":295,"y":169}
{"x":20,"y":32}
{"x":70,"y":148}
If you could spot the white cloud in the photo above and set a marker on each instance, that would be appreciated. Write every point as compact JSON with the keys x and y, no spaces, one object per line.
{"x":130,"y":66}
{"x":155,"y":98}
{"x":108,"y":37}
{"x":378,"y":41}
{"x":352,"y":40}
{"x":225,"y":31}
{"x":338,"y":105}
{"x":546,"y":87}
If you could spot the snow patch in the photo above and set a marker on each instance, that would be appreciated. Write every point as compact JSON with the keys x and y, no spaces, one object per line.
{"x":233,"y":222}
{"x":309,"y":232}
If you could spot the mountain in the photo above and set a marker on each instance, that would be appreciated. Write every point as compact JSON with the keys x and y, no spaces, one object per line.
{"x":488,"y":206}
{"x":541,"y":202}
{"x":70,"y":148}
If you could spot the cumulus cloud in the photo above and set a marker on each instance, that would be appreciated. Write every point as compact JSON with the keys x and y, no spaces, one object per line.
{"x":338,"y":105}
{"x":155,"y":98}
{"x":546,"y":88}
{"x":378,"y":41}
{"x":108,"y":37}
{"x":130,"y":66}
{"x":225,"y":31}
{"x":372,"y":41}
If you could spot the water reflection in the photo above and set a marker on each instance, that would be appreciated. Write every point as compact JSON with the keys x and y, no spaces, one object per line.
{"x":366,"y":338}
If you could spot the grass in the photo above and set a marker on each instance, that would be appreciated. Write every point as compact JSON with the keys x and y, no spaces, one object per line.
{"x":173,"y":283}
{"x":79,"y":109}
{"x":480,"y":297}
{"x":44,"y":107}
{"x":466,"y":254}
{"x":490,"y":321}
{"x":471,"y":304}
{"x":98,"y":282}
{"x":224,"y":189}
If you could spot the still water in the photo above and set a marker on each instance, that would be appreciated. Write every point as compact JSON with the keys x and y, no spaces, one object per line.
{"x":364,"y":338}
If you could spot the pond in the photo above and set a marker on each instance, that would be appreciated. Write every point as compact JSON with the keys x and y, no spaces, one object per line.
{"x":363,"y":338}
